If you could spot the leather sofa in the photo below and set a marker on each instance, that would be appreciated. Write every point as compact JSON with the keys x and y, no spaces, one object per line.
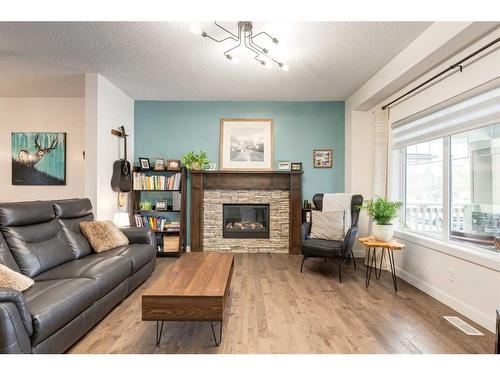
{"x":74,"y":286}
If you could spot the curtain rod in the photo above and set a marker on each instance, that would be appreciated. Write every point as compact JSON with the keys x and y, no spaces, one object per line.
{"x":458,"y":65}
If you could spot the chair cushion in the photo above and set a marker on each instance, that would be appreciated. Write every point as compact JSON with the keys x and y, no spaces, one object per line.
{"x":14,"y":280}
{"x":54,"y":303}
{"x":328,"y":225}
{"x":109,"y":272}
{"x":103,"y":235}
{"x":322,"y":248}
{"x":70,"y":213}
{"x":138,"y":254}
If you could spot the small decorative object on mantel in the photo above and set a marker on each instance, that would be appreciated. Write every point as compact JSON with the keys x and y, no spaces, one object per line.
{"x":159,"y":165}
{"x":173,"y":165}
{"x":246,"y":144}
{"x":284,"y":165}
{"x":296,"y":167}
{"x":323,"y":158}
{"x":195,"y":161}
{"x":382,"y":211}
{"x":144,"y":163}
{"x":212,"y":166}
{"x":38,"y":158}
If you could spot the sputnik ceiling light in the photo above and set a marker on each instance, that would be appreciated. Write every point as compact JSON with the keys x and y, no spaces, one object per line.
{"x":247,"y":38}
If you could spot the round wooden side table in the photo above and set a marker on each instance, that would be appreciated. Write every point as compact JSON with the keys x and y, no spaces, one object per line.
{"x":372,"y":244}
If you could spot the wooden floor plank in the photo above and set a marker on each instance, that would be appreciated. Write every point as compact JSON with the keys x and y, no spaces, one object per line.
{"x":273,"y":308}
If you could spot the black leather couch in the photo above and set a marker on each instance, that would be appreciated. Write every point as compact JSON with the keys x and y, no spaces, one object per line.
{"x":74,"y":287}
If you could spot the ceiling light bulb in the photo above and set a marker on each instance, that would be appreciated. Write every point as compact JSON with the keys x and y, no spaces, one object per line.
{"x":228,"y":56}
{"x":265,"y":50}
{"x":275,"y":41}
{"x":195,"y":29}
{"x":285,"y":68}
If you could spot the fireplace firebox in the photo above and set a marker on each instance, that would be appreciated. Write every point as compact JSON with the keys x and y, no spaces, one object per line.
{"x":245,"y":220}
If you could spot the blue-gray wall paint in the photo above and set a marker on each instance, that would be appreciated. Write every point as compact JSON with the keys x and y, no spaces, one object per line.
{"x":169,"y":129}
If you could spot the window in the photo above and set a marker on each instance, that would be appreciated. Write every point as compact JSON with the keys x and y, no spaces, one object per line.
{"x":475,"y":185}
{"x":473,"y":180}
{"x":450,"y":168}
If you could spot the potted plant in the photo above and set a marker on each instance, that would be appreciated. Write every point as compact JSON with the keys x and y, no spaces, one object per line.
{"x":382,"y":211}
{"x":195,"y":161}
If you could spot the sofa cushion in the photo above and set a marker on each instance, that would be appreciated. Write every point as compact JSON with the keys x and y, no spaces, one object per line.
{"x":103,"y":235}
{"x":138,"y":254}
{"x":14,"y":280}
{"x":109,"y":272}
{"x":37,"y":247}
{"x":70,"y":213}
{"x":54,"y":303}
{"x":6,"y":257}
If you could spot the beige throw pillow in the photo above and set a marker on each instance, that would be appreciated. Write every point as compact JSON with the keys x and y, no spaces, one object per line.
{"x":14,"y":280}
{"x":103,"y":235}
{"x":328,"y":225}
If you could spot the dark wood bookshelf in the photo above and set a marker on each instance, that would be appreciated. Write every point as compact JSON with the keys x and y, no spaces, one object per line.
{"x":137,"y":195}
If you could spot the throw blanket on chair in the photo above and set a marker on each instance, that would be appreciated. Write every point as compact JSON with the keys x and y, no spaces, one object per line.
{"x":339,"y":202}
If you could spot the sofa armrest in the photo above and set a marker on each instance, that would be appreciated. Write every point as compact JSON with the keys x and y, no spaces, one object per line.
{"x":139,"y":235}
{"x":305,"y":230}
{"x":17,"y":298}
{"x":13,"y":336}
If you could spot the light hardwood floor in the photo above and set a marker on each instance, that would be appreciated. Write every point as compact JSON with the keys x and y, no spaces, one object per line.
{"x":273,"y":308}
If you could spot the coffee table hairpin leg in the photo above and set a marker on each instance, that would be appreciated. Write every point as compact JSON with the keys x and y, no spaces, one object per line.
{"x":217,"y":343}
{"x":159,"y":332}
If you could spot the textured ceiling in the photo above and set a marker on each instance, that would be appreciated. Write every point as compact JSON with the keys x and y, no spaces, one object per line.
{"x":165,"y":61}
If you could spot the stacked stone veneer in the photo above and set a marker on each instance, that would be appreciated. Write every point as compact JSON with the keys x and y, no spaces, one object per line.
{"x":279,"y":217}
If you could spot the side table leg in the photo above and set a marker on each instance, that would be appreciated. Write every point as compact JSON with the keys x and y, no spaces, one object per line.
{"x":393,"y":269}
{"x":377,"y":276}
{"x":217,"y":343}
{"x":369,"y":265}
{"x":159,"y":332}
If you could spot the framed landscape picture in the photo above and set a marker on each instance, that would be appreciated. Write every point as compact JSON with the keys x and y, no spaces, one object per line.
{"x":323,"y":158}
{"x":39,"y":158}
{"x":246,"y":144}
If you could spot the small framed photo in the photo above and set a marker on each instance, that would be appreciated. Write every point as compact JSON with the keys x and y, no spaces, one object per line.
{"x":159,"y":165}
{"x":323,"y":158}
{"x":144,"y":163}
{"x":173,"y":165}
{"x":296,"y":166}
{"x":284,"y":165}
{"x":161,"y":205}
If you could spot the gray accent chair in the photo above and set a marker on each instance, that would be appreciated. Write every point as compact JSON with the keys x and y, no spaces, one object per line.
{"x":340,"y":250}
{"x":74,"y":287}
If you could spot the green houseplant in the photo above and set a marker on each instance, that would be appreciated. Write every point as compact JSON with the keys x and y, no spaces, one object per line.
{"x":382,"y":211}
{"x":195,"y":161}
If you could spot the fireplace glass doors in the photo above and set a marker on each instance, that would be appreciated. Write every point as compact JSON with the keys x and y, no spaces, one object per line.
{"x":245,"y":221}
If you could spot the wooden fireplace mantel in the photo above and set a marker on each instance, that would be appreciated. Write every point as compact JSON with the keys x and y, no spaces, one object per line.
{"x":266,"y":180}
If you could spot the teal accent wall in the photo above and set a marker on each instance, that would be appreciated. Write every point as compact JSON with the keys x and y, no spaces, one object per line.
{"x":169,"y":129}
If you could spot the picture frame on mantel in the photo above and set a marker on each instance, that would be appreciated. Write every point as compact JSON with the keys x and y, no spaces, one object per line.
{"x":246,"y":144}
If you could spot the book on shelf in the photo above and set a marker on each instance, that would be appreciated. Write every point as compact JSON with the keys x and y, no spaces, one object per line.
{"x":156,"y":182}
{"x":156,"y":223}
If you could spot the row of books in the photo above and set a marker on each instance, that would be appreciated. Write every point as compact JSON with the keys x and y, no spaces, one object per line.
{"x":156,"y":182}
{"x":157,"y":223}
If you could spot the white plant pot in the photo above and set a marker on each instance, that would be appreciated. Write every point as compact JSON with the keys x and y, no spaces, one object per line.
{"x":383,"y":232}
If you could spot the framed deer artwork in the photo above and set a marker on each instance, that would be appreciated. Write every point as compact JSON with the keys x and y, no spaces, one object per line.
{"x":39,"y":158}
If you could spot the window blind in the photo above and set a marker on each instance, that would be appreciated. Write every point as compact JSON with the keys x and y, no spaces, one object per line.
{"x":467,"y":112}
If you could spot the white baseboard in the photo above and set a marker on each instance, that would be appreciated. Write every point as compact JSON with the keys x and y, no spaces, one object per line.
{"x":464,"y":309}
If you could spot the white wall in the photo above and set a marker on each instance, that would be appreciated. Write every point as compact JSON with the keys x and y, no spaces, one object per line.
{"x":107,"y":107}
{"x":43,"y":115}
{"x":475,"y":289}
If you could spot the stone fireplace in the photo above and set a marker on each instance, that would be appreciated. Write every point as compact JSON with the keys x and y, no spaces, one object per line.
{"x":246,"y":211}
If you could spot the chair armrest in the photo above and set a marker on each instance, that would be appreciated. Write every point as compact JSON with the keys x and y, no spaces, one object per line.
{"x":305,"y":230}
{"x":13,"y":296}
{"x":349,"y":239}
{"x":139,"y":235}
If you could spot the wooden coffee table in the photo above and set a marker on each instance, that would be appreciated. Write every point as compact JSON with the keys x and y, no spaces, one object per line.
{"x":194,"y":288}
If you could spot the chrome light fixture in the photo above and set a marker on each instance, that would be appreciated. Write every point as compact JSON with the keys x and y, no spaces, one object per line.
{"x":247,"y":38}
